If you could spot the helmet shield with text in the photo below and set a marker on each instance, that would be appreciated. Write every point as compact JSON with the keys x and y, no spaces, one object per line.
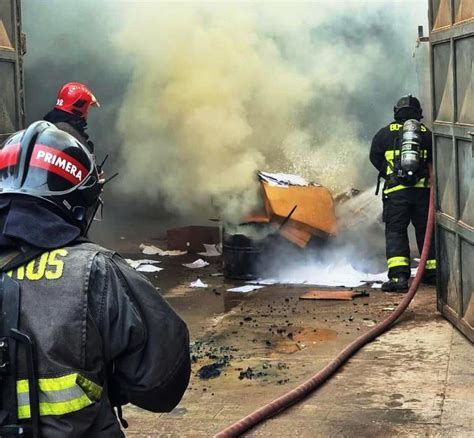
{"x":47,"y":163}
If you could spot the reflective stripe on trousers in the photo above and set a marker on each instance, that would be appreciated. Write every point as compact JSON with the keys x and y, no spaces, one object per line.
{"x":393,"y":262}
{"x":58,"y":395}
{"x":405,"y":261}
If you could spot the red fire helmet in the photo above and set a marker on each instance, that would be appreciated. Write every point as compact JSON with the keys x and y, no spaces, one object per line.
{"x":76,"y":98}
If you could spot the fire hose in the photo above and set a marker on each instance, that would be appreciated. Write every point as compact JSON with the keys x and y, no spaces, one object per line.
{"x":290,"y":398}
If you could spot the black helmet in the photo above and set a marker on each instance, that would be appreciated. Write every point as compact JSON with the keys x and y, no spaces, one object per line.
{"x":408,"y":107}
{"x":49,"y":164}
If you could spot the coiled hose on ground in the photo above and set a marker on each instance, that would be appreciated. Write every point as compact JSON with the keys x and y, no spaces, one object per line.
{"x":301,"y":391}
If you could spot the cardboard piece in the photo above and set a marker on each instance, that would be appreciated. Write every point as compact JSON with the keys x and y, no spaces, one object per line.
{"x":311,"y":207}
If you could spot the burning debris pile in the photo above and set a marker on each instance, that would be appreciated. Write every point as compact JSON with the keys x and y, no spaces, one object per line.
{"x":293,"y":209}
{"x":303,"y":226}
{"x":298,"y":209}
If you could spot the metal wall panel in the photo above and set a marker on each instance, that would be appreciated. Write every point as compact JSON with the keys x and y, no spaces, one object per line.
{"x":464,"y":49}
{"x":446,"y":193}
{"x":448,"y":258}
{"x":466,"y":178}
{"x":7,"y":97}
{"x":12,"y":115}
{"x":443,"y":82}
{"x":467,"y":255}
{"x":441,"y":13}
{"x":7,"y":29}
{"x":452,"y":58}
{"x":464,"y":10}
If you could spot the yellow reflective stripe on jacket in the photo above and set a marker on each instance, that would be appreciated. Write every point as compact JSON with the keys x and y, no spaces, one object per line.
{"x":390,"y":157}
{"x":431,"y":264}
{"x":393,"y":262}
{"x":392,"y":153}
{"x":58,"y":395}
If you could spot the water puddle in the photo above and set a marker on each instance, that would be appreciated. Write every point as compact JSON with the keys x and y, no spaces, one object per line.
{"x":304,"y":337}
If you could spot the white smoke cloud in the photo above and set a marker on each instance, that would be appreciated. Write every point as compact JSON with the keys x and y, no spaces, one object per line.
{"x":219,"y":91}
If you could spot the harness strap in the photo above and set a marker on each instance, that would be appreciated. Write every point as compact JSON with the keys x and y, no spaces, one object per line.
{"x":10,"y":314}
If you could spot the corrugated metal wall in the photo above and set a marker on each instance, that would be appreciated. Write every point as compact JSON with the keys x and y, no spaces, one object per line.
{"x":452,"y":57}
{"x":12,"y":114}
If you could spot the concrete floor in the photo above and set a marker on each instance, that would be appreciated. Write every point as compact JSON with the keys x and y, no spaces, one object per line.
{"x":416,"y":380}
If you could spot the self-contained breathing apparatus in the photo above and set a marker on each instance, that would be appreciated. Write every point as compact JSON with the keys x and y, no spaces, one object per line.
{"x":408,"y":159}
{"x":408,"y":164}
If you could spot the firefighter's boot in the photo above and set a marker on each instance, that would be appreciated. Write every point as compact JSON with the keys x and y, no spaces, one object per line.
{"x":396,"y":284}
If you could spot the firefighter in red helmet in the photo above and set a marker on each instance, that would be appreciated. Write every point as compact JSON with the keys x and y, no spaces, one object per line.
{"x":71,"y":110}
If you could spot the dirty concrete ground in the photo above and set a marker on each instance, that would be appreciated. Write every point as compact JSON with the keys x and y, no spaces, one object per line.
{"x":416,"y":380}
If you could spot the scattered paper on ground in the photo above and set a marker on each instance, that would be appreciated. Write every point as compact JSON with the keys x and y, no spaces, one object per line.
{"x":199,"y":263}
{"x":136,"y":263}
{"x":388,"y":309}
{"x":198,"y":284}
{"x":334,"y":275}
{"x":263,"y":281}
{"x":154,"y":250}
{"x":282,"y":179}
{"x":212,"y":250}
{"x":376,"y":286}
{"x":369,"y":278}
{"x":149,"y":268}
{"x":245,"y":289}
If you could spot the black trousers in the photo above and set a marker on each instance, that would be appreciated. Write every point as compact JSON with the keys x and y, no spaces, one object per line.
{"x":399,"y":209}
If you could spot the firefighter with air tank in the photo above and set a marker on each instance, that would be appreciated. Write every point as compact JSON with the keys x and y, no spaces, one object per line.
{"x":401,"y":152}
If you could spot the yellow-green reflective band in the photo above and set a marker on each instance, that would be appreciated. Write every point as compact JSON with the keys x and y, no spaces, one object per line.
{"x":392,"y":153}
{"x":58,"y":395}
{"x":431,"y":264}
{"x":398,"y":261}
{"x":390,"y":156}
{"x":421,"y":184}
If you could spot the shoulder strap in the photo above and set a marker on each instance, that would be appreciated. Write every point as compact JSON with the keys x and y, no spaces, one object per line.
{"x":10,"y":338}
{"x":10,"y":315}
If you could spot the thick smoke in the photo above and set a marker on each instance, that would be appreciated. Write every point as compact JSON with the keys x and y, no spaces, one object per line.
{"x":197,"y":97}
{"x":211,"y":102}
{"x":221,"y":91}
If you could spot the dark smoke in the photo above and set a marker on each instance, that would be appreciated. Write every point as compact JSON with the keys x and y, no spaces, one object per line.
{"x":71,"y":40}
